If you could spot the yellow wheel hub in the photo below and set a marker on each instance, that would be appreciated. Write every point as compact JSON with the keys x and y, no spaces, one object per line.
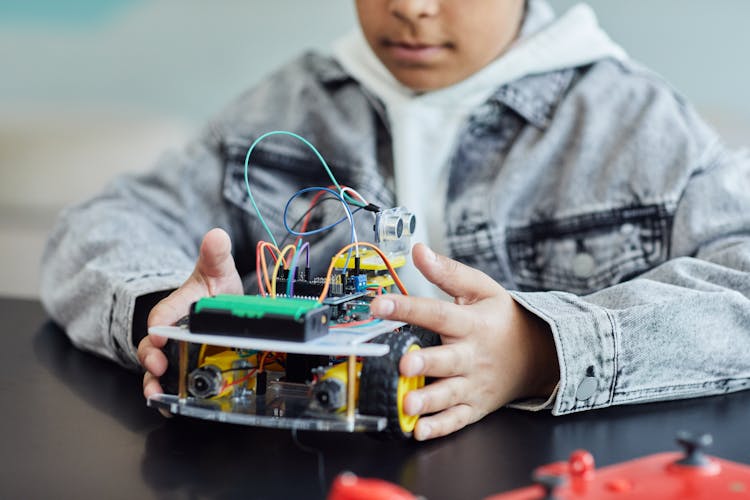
{"x":405,"y":385}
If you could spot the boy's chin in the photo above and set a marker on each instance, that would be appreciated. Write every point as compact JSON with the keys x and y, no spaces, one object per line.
{"x":421,"y":81}
{"x":427,"y":78}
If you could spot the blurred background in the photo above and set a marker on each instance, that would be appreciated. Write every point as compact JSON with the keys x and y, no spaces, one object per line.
{"x":92,"y":88}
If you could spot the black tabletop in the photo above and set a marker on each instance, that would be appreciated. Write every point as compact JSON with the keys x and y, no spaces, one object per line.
{"x":76,"y":426}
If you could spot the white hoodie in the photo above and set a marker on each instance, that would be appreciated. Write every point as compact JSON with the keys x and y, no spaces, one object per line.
{"x":424,"y":127}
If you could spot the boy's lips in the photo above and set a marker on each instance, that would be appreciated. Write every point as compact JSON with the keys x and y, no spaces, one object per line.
{"x":414,"y":52}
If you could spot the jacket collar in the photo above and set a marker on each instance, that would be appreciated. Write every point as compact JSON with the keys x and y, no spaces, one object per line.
{"x":535,"y":97}
{"x":330,"y":72}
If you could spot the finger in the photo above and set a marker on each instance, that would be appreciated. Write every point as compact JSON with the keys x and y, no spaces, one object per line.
{"x":157,"y":340}
{"x":447,"y":360}
{"x":156,"y":362}
{"x":142,"y":347}
{"x":216,"y":263}
{"x":215,"y":272}
{"x":151,"y":385}
{"x":454,"y":278}
{"x":152,"y":358}
{"x":444,"y":423}
{"x":177,"y":304}
{"x":150,"y":342}
{"x":439,"y":316}
{"x":436,"y":396}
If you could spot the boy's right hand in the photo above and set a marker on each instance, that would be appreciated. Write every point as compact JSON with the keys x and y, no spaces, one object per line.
{"x":214,"y":273}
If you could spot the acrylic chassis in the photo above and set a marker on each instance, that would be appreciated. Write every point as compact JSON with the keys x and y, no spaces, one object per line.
{"x":284,"y":405}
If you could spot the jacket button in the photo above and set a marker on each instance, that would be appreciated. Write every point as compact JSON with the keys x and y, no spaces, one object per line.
{"x":586,"y":388}
{"x":583,"y":265}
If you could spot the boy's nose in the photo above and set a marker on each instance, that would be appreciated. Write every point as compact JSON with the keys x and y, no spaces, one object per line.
{"x":412,"y":10}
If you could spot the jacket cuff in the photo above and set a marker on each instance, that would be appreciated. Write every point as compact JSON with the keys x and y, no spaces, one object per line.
{"x":536,"y":404}
{"x":123,"y":305}
{"x":586,"y":341}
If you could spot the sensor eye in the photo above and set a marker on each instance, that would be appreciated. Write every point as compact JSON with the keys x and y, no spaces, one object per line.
{"x":410,"y":223}
{"x":392,"y":228}
{"x":395,"y":225}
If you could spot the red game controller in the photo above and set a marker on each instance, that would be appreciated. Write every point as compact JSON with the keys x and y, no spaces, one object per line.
{"x":347,"y":486}
{"x":691,"y":475}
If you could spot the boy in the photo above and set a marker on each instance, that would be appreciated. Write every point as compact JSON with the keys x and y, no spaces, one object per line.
{"x":598,"y":231}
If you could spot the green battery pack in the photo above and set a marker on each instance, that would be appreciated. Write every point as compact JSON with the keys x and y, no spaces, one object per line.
{"x":256,"y":316}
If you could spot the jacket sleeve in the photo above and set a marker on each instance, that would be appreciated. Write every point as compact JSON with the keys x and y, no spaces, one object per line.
{"x":681,"y":329}
{"x":140,"y":235}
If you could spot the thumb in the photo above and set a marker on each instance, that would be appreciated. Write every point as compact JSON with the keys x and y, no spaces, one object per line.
{"x":454,"y":278}
{"x":214,"y":273}
{"x":216,"y":265}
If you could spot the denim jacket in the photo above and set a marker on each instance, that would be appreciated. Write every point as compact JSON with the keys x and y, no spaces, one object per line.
{"x":595,"y":194}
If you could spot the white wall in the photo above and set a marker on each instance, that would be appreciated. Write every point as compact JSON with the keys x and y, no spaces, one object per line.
{"x":700,"y":47}
{"x":95,"y":87}
{"x":91,"y":88}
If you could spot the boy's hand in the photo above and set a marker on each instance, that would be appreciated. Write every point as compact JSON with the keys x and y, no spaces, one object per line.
{"x":494,"y":351}
{"x":214,"y":273}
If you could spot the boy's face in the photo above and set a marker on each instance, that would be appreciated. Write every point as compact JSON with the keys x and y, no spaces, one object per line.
{"x":430,"y":44}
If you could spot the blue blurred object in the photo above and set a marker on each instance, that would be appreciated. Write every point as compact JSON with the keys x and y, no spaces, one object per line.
{"x":359,"y":283}
{"x":71,"y":12}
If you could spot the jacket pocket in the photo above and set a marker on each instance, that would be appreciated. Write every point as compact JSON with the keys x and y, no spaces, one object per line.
{"x":585,"y":253}
{"x":275,"y":173}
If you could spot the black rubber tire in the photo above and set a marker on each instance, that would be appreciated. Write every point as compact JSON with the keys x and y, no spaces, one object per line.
{"x":378,"y":383}
{"x":170,"y":380}
{"x":427,"y":338}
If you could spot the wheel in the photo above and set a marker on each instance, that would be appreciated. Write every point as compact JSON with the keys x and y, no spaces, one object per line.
{"x":426,"y":337}
{"x":382,"y":389}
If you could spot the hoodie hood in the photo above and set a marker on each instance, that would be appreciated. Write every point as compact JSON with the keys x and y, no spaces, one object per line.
{"x":425,"y":126}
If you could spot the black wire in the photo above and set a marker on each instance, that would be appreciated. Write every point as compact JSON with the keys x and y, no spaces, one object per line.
{"x":313,"y":207}
{"x":318,"y":453}
{"x":302,"y":217}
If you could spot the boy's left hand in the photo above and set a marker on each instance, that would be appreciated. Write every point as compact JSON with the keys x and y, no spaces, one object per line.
{"x":494,"y":351}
